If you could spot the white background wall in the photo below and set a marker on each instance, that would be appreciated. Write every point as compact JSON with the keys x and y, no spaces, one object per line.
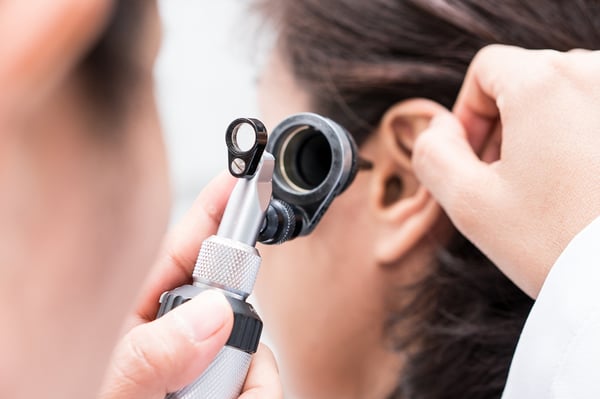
{"x":205,"y":79}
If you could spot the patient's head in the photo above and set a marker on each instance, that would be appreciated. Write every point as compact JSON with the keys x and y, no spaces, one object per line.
{"x":385,"y":298}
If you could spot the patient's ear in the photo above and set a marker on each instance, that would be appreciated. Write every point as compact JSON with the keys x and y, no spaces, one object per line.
{"x":404,"y":209}
{"x":42,"y":41}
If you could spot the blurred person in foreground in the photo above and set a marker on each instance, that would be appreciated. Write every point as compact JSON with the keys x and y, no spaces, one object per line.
{"x":83,"y":207}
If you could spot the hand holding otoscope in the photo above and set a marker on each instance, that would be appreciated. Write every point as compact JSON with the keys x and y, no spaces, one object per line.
{"x":284,"y":188}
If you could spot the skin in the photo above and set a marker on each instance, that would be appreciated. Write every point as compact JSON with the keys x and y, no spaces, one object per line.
{"x":323,"y":296}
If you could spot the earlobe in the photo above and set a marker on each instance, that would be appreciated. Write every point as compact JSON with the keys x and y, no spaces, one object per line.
{"x":405,"y":210}
{"x":404,"y":225}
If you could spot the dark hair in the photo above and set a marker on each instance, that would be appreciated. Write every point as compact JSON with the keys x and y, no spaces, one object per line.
{"x":356,"y":59}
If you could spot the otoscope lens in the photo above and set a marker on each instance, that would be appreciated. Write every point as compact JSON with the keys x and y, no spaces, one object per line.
{"x":308,"y":158}
{"x":314,"y":160}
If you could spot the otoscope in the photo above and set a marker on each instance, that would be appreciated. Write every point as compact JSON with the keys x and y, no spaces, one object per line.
{"x":286,"y":182}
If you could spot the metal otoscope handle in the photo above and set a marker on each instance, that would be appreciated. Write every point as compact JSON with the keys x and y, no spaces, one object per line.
{"x":229,"y":262}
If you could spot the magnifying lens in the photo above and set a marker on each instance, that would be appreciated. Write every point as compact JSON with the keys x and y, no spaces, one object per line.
{"x":316,"y":160}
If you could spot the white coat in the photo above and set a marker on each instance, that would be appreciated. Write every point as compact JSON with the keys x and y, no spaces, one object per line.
{"x":558,"y":354}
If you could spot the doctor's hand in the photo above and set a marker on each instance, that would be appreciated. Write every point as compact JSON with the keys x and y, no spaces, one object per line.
{"x":160,"y":356}
{"x":517,"y":165}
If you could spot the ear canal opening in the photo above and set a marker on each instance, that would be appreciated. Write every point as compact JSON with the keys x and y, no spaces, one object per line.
{"x":393,"y":191}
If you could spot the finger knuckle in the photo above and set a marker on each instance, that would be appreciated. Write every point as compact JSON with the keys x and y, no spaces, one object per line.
{"x":494,"y":52}
{"x":499,"y":67}
{"x":583,"y":65}
{"x":533,"y":80}
{"x":489,"y":51}
{"x":556,"y":63}
{"x":568,"y":67}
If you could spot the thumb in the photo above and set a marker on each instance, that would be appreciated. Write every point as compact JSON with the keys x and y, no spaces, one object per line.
{"x":171,"y":352}
{"x":445,"y":163}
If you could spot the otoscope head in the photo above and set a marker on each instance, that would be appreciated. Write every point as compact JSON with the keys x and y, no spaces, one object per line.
{"x":315,"y":160}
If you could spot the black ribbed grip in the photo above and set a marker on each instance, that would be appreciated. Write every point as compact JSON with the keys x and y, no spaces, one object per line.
{"x":279,"y":225}
{"x":247,"y":325}
{"x":170,"y":300}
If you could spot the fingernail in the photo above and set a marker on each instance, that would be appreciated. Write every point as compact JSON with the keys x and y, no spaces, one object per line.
{"x":207,"y":314}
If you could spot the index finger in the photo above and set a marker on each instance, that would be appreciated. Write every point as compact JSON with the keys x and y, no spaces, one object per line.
{"x":492,"y":69}
{"x":263,"y":377}
{"x":178,"y":258}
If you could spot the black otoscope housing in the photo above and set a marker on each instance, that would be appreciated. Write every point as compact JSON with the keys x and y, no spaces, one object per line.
{"x":285,"y":184}
{"x":315,"y":160}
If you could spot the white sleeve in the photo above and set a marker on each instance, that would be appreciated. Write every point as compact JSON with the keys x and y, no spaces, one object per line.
{"x":558,"y":354}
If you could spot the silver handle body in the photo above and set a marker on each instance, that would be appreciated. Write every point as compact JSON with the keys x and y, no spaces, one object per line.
{"x":230,"y":262}
{"x":230,"y":266}
{"x":224,"y":379}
